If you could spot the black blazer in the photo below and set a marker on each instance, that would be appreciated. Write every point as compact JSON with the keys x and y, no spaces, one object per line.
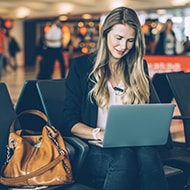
{"x":78,"y":107}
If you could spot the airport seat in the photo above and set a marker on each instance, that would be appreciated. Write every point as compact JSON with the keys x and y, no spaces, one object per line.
{"x":162,"y":87}
{"x":180,"y":86}
{"x":155,"y":98}
{"x":29,"y":99}
{"x":176,"y":177}
{"x":164,"y":93}
{"x":178,"y":154}
{"x":7,"y":115}
{"x":37,"y":95}
{"x":52,"y":95}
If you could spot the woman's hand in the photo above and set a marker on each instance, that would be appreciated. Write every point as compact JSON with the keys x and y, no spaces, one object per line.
{"x":100,"y":135}
{"x":83,"y":131}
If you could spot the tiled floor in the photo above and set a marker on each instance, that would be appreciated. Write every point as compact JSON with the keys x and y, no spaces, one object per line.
{"x":15,"y":80}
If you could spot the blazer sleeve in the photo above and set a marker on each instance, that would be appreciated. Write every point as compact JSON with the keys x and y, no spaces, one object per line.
{"x":77,"y":106}
{"x":71,"y":112}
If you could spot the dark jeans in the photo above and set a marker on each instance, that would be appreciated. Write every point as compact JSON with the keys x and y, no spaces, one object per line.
{"x":125,"y":169}
{"x":47,"y":64}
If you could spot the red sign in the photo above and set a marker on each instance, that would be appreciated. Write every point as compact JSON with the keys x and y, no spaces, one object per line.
{"x":161,"y":64}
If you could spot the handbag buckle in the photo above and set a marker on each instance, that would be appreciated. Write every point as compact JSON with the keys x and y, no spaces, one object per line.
{"x":60,"y":150}
{"x":12,"y":143}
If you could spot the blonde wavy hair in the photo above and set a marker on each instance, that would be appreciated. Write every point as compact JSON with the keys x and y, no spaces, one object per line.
{"x":130,"y":66}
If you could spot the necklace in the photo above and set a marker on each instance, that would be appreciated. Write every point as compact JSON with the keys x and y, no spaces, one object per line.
{"x":117,"y":87}
{"x":118,"y":91}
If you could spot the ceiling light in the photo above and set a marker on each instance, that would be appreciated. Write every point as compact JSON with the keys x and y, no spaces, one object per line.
{"x":80,"y":24}
{"x":179,"y":2}
{"x":22,"y":12}
{"x":65,"y":8}
{"x":86,"y":16}
{"x":161,"y":11}
{"x":114,"y":4}
{"x":63,"y":18}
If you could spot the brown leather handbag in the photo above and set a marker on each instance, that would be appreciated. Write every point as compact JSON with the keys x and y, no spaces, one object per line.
{"x":36,"y":158}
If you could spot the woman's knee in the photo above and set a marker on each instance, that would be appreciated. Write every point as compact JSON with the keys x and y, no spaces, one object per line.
{"x":114,"y":159}
{"x":148,"y":158}
{"x":124,"y":163}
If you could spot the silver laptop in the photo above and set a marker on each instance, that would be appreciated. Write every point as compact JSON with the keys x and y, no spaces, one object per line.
{"x":137,"y":125}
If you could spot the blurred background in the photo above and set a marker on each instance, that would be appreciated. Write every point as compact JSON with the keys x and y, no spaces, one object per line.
{"x":28,"y":20}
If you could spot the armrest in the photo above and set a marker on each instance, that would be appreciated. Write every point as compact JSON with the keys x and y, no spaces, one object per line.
{"x":70,"y":149}
{"x":81,"y":151}
{"x":182,"y":117}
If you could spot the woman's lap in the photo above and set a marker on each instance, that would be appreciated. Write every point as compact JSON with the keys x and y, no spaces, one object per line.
{"x":123,"y":168}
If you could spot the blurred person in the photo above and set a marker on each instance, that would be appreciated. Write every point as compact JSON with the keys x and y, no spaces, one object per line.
{"x":2,"y":37}
{"x":13,"y":48}
{"x":116,"y":73}
{"x":186,"y":46}
{"x":74,"y":45}
{"x":52,"y":52}
{"x":4,"y":52}
{"x":166,"y":44}
{"x":39,"y":54}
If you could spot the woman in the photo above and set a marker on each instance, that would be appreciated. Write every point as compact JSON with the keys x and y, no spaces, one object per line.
{"x":166,"y":44}
{"x":115,"y":74}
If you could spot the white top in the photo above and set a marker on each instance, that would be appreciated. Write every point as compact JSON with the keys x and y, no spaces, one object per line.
{"x":55,"y":33}
{"x":115,"y":99}
{"x":169,"y":44}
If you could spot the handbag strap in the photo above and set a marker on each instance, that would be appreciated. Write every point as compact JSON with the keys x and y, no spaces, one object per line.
{"x":34,"y":173}
{"x":31,"y":111}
